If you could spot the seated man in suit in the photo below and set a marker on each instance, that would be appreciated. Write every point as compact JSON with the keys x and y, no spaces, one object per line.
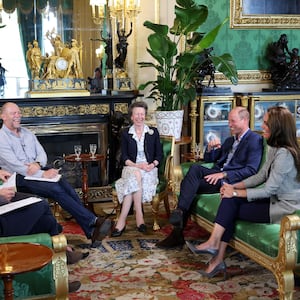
{"x":21,"y":152}
{"x":31,"y":219}
{"x":238,"y":158}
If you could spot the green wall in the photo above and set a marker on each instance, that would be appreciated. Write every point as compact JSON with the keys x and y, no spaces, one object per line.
{"x":246,"y":46}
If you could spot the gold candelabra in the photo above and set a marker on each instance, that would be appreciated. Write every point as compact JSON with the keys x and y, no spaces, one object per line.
{"x":117,"y":9}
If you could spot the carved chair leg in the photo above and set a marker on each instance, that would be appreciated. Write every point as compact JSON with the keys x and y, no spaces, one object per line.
{"x":286,"y":285}
{"x":155,"y":209}
{"x":117,"y":205}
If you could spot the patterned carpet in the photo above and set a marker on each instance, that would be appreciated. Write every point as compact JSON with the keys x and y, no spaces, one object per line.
{"x":131,"y":267}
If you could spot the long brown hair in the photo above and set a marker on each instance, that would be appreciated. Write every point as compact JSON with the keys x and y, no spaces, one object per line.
{"x":283,"y":132}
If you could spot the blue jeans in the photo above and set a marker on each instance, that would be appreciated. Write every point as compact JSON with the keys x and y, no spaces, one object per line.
{"x":65,"y":195}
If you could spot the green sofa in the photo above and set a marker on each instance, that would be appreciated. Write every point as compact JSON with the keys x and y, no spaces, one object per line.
{"x":274,"y":246}
{"x":51,"y":282}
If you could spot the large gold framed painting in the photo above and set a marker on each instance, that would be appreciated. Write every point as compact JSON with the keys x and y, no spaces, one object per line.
{"x":58,"y":74}
{"x":259,"y":14}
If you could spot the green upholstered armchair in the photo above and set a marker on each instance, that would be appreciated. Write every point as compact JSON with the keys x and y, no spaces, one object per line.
{"x":165,"y":169}
{"x":51,"y":282}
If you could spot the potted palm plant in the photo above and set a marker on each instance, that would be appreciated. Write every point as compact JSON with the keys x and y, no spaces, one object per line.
{"x":175,"y":84}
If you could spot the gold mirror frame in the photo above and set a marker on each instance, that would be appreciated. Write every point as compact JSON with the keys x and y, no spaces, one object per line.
{"x":239,"y":20}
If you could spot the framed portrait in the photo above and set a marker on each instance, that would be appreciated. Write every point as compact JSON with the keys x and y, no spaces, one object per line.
{"x":264,"y":14}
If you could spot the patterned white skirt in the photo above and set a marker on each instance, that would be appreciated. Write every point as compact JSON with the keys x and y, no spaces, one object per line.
{"x":128,"y":184}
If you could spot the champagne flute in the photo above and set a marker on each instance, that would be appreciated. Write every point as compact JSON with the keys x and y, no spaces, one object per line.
{"x":93,"y":148}
{"x":77,"y":150}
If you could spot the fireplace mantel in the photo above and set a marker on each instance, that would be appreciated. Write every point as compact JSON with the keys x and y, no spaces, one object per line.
{"x":68,"y":110}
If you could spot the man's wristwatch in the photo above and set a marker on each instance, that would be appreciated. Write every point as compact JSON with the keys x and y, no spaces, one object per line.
{"x":224,"y":175}
{"x":234,"y":193}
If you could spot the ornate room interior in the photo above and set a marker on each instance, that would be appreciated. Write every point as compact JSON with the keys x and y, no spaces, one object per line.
{"x":76,"y":37}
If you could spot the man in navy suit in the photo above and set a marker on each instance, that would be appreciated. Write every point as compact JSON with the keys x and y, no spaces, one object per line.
{"x":238,"y":158}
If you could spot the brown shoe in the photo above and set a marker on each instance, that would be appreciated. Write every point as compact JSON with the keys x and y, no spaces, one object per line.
{"x":75,"y":256}
{"x":102,"y":229}
{"x":74,"y":286}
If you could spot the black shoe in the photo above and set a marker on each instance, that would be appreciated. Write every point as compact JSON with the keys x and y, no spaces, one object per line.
{"x":174,"y":240}
{"x":176,"y":218}
{"x":142,"y":228}
{"x":75,"y":256}
{"x":102,"y":228}
{"x":116,"y":232}
{"x":74,"y":286}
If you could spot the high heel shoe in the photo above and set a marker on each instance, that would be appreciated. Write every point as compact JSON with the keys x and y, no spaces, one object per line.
{"x":220,"y":268}
{"x":116,"y":232}
{"x":211,"y":251}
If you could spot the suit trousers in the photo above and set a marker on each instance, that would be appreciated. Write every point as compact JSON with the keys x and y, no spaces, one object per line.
{"x":34,"y":218}
{"x":194,"y":183}
{"x":231,"y":209}
{"x":65,"y":195}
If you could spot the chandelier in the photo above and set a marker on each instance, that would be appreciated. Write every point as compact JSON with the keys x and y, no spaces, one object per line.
{"x":118,"y":9}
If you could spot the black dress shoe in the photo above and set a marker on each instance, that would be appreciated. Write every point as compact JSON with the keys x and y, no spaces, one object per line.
{"x":116,"y":232}
{"x":142,"y":228}
{"x":174,"y":240}
{"x":176,"y":218}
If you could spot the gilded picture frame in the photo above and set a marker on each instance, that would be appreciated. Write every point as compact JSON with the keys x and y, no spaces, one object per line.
{"x":242,"y":19}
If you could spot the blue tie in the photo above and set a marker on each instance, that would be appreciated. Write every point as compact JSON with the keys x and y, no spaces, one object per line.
{"x":231,"y":153}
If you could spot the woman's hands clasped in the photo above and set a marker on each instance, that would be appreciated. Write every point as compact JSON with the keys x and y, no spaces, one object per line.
{"x":226,"y":190}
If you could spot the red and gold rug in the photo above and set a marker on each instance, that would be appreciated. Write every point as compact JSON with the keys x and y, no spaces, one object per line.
{"x":131,"y":267}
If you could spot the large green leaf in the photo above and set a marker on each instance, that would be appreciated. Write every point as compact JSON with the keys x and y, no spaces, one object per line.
{"x":158,"y":28}
{"x":226,"y":65}
{"x":161,"y":46}
{"x":189,"y":19}
{"x":208,"y":39}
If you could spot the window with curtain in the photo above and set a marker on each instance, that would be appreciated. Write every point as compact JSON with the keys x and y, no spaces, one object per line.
{"x":25,"y":21}
{"x":11,"y":52}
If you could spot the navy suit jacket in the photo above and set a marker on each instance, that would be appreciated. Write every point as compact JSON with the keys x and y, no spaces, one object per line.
{"x":245,"y":161}
{"x":152,"y":146}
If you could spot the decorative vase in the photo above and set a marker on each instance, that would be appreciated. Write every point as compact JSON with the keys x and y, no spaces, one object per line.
{"x":169,"y":122}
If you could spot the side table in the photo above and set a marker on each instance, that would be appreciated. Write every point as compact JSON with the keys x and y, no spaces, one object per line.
{"x":84,"y":159}
{"x":192,"y":157}
{"x":184,"y":140}
{"x":17,"y":258}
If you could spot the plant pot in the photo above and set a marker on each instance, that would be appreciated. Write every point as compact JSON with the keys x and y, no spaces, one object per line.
{"x":169,"y":122}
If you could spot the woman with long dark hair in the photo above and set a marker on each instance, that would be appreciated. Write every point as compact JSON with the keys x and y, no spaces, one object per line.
{"x":262,"y":198}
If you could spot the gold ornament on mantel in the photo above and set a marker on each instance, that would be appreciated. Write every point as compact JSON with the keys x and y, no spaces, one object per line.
{"x":62,"y":70}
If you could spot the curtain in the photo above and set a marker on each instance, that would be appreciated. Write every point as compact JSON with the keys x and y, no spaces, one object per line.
{"x":30,"y":19}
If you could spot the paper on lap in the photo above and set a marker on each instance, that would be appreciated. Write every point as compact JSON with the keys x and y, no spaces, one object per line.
{"x":54,"y":179}
{"x":11,"y":182}
{"x":18,"y":204}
